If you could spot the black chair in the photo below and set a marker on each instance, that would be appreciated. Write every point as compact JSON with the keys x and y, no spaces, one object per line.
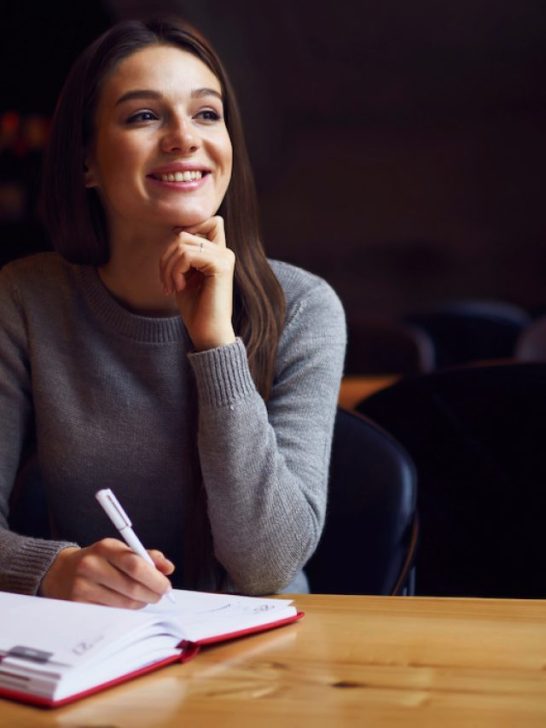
{"x":369,"y":540}
{"x":467,"y":331}
{"x":531,"y":343}
{"x":383,"y":347}
{"x":476,"y":435}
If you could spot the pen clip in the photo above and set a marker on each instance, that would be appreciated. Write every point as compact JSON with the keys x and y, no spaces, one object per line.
{"x":113,"y":509}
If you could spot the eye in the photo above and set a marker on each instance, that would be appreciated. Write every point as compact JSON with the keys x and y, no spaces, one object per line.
{"x":208,"y":115}
{"x":142,"y":116}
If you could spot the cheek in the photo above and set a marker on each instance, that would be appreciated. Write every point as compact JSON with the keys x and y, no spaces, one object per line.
{"x":229,"y":156}
{"x":228,"y":164}
{"x":223,"y":150}
{"x":114,"y":178}
{"x":116,"y":159}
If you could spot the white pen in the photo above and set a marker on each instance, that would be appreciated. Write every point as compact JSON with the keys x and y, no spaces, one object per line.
{"x":120,"y":519}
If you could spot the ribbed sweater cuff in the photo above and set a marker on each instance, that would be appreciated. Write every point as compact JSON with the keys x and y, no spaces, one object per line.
{"x":222,"y":374}
{"x":33,"y":560}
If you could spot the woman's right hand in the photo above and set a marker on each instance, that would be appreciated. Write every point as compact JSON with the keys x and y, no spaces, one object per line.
{"x":107,"y":572}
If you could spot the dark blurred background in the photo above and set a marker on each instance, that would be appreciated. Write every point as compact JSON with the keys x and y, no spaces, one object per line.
{"x":399,"y":147}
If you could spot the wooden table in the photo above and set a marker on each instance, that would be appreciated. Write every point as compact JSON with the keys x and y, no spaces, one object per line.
{"x":355,"y":388}
{"x":352,"y":661}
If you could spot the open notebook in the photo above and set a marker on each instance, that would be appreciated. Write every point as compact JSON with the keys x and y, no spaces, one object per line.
{"x":53,"y":652}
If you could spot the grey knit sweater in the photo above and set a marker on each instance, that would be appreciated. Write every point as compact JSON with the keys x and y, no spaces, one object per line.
{"x":114,"y":399}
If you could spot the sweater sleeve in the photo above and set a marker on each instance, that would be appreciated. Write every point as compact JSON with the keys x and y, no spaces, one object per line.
{"x":23,"y":560}
{"x":265,"y":466}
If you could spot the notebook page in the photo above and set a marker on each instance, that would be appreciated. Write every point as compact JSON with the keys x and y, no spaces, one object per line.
{"x":76,"y":646}
{"x":70,"y":633}
{"x":202,"y":615}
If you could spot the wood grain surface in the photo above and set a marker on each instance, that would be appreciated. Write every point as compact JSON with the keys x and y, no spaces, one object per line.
{"x":352,"y":661}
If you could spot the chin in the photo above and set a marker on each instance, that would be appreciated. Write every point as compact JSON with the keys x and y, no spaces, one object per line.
{"x":188,"y":218}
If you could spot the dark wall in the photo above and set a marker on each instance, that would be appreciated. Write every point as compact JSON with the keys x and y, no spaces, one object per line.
{"x":399,"y":148}
{"x":38,"y":43}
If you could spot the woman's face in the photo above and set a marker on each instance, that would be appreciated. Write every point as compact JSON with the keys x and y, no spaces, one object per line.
{"x":161,"y":156}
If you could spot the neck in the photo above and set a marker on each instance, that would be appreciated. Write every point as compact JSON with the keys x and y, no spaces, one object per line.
{"x":132,"y":277}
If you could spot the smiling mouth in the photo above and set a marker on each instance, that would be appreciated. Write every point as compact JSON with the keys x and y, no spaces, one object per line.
{"x":187,"y":176}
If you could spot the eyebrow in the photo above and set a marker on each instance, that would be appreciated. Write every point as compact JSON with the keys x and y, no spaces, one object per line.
{"x":150,"y":94}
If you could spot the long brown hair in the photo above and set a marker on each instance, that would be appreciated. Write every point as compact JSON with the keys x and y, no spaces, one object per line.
{"x":74,"y":215}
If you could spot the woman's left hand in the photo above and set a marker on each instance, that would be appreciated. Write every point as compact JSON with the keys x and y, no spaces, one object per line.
{"x":198,"y":268}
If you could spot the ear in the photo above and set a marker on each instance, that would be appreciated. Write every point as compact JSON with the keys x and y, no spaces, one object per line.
{"x":89,"y":178}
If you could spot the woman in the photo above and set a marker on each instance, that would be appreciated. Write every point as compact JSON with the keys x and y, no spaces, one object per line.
{"x":158,"y":352}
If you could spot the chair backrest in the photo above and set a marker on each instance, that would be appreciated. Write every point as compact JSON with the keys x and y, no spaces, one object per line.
{"x":369,"y":539}
{"x":382,"y":347}
{"x":476,"y":436}
{"x":471,"y":330}
{"x":531,"y":343}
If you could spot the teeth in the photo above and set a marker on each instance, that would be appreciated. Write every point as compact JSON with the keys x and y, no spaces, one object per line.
{"x":181,"y":176}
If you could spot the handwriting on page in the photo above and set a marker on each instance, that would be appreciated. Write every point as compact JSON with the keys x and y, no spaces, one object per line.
{"x":239,"y":609}
{"x":199,"y":606}
{"x":82,"y":647}
{"x":263,"y":608}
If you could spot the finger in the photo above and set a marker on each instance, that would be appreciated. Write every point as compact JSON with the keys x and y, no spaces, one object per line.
{"x":173,"y":253}
{"x":140,"y":580}
{"x":213,"y":229}
{"x":194,"y":258}
{"x":114,"y":565}
{"x":96,"y":581}
{"x":183,"y":237}
{"x":161,"y":562}
{"x":179,"y":250}
{"x":176,"y":270}
{"x":93,"y":593}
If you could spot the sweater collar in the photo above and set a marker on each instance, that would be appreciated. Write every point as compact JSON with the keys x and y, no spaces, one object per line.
{"x":148,"y":329}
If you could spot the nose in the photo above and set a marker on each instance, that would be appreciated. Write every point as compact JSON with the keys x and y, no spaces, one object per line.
{"x":180,"y":136}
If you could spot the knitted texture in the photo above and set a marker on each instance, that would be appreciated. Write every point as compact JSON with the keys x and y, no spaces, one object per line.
{"x":117,"y":400}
